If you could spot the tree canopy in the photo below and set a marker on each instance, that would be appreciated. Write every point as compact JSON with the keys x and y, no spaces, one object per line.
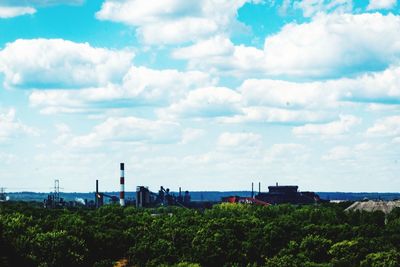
{"x":225,"y":235}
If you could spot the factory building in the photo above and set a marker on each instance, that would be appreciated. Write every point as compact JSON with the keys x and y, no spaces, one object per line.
{"x":279,"y":194}
{"x":144,"y":198}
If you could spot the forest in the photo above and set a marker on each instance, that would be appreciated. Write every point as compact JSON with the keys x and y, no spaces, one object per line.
{"x":225,"y":235}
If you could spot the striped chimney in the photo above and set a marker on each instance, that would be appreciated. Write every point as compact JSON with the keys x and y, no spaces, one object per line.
{"x":122,"y":185}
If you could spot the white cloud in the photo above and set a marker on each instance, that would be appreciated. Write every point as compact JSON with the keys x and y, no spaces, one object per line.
{"x":40,"y":3}
{"x":334,"y":45}
{"x":289,"y":95}
{"x":140,"y":86}
{"x":57,"y":63}
{"x":10,"y":127}
{"x":381,"y":4}
{"x":186,"y":29}
{"x":389,"y":126}
{"x":313,"y":7}
{"x":256,"y":100}
{"x":162,"y":85}
{"x":15,"y":11}
{"x":275,"y":115}
{"x":208,"y":102}
{"x":191,"y":134}
{"x":301,"y":102}
{"x":286,"y":152}
{"x":382,"y":107}
{"x":329,"y":46}
{"x":379,"y":87}
{"x":6,"y":158}
{"x":339,"y":153}
{"x":128,"y":130}
{"x":237,"y":140}
{"x":220,"y":55}
{"x":64,"y":133}
{"x":174,"y":21}
{"x":350,"y":153}
{"x":213,"y":47}
{"x":266,"y":100}
{"x":335,"y":128}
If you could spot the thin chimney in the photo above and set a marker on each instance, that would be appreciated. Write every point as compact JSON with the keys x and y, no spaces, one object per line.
{"x":122,"y":185}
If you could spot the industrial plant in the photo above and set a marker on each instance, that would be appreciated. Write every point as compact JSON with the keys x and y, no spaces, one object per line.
{"x":144,"y":198}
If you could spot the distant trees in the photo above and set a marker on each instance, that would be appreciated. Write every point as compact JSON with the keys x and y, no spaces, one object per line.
{"x":226,"y":235}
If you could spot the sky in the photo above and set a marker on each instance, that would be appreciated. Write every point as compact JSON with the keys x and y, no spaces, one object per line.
{"x":203,"y":95}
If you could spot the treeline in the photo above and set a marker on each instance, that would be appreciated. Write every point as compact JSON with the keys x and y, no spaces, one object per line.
{"x":226,"y":235}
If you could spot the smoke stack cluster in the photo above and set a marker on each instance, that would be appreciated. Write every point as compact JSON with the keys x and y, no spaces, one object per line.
{"x":122,"y":185}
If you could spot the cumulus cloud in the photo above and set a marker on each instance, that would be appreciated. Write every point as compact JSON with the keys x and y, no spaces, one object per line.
{"x":289,"y":95}
{"x":63,"y":133}
{"x":313,"y":7}
{"x":208,"y":102}
{"x":329,"y":46}
{"x":10,"y":127}
{"x":237,"y":140}
{"x":381,"y":4}
{"x":334,"y":45}
{"x":191,"y":134}
{"x":275,"y":115}
{"x":221,"y":56}
{"x":7,"y":12}
{"x":377,"y":87}
{"x":174,"y":21}
{"x":213,"y":47}
{"x":40,"y":3}
{"x":57,"y":63}
{"x":140,"y":86}
{"x":388,"y":126}
{"x":284,"y":152}
{"x":162,"y":85}
{"x":350,"y":153}
{"x":267,"y":100}
{"x":127,"y":130}
{"x":334,"y":128}
{"x":339,"y":153}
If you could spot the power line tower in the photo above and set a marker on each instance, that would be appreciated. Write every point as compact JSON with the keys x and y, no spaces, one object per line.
{"x":56,"y":194}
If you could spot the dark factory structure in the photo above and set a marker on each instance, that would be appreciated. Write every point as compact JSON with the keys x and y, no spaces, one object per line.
{"x":144,"y":198}
{"x":279,"y":194}
{"x":99,"y":197}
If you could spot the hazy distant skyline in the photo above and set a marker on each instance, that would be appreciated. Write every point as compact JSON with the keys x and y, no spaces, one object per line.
{"x":206,"y":95}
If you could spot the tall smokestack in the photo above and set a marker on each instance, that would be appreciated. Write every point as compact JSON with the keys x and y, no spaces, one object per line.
{"x":259,"y":187}
{"x":252,"y":190}
{"x":122,"y":185}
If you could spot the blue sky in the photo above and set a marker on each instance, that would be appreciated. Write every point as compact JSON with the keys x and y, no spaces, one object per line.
{"x":206,"y":95}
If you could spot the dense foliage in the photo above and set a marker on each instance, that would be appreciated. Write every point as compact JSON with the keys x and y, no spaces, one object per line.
{"x":226,"y":235}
